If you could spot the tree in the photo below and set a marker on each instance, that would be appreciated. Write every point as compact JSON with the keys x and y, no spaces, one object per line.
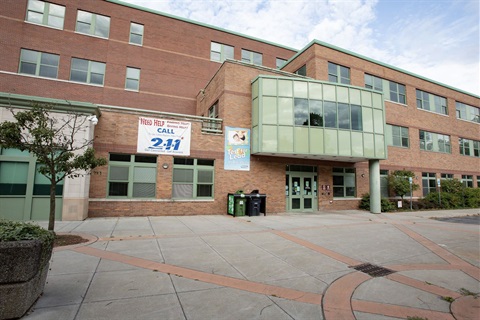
{"x":398,"y":182}
{"x":54,"y":140}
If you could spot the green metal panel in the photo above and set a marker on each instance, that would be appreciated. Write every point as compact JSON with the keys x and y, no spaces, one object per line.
{"x":12,"y":208}
{"x":41,"y":208}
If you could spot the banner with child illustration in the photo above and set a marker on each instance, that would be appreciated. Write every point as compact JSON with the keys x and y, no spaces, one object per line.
{"x":237,"y":149}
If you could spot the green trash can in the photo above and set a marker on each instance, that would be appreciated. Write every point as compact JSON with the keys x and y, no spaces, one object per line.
{"x":240,"y":206}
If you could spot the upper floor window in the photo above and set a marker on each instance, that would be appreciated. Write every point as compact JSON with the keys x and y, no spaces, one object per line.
{"x":391,"y":90}
{"x":87,"y":71}
{"x":431,"y":102}
{"x":132,"y":176}
{"x":251,"y":57}
{"x":39,"y":64}
{"x":467,"y":112}
{"x":338,"y":73}
{"x":192,"y":178}
{"x":436,"y":142}
{"x":280,"y":62}
{"x":132,"y":81}
{"x":45,"y":13}
{"x":397,"y":136}
{"x":220,"y":52}
{"x":136,"y":33}
{"x":93,"y":24}
{"x":302,"y":71}
{"x":469,"y":147}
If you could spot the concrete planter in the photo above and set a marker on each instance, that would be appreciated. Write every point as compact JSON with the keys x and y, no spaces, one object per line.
{"x":23,"y":273}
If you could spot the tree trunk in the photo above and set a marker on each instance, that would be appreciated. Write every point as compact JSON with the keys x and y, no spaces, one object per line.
{"x":51,"y":218}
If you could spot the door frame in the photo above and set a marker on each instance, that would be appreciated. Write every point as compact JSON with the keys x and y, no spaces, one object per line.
{"x":302,"y":193}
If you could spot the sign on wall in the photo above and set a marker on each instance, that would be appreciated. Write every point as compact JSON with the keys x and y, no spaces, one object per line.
{"x":162,"y":136}
{"x":237,"y":149}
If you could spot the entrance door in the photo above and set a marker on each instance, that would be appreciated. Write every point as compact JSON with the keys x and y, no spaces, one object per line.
{"x":302,"y":187}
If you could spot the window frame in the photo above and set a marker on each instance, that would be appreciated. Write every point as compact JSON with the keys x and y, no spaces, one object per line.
{"x":38,"y":63}
{"x":302,"y":71}
{"x":46,"y":14}
{"x":132,"y":79}
{"x":131,"y":164}
{"x":433,"y":136}
{"x":344,"y":173}
{"x":280,"y":62}
{"x":223,"y":53}
{"x":473,"y":147}
{"x":249,"y":56}
{"x":88,"y":71}
{"x":474,"y":112}
{"x":385,"y":86}
{"x":196,"y":167}
{"x":336,"y":75}
{"x":467,"y":180}
{"x":429,"y":182}
{"x":429,"y":102}
{"x":390,"y":136}
{"x":136,"y":34}
{"x":92,"y":24}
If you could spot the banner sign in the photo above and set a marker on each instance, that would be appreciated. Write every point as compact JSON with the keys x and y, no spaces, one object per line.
{"x":162,"y":136}
{"x":237,"y":149}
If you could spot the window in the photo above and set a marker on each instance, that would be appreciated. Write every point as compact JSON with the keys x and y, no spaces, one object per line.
{"x":251,"y":57}
{"x":13,"y":178}
{"x":435,"y":142}
{"x":132,"y":81}
{"x":445,"y":176}
{"x":467,"y":181}
{"x":384,"y":183}
{"x":302,"y":71}
{"x":467,"y":112}
{"x":431,"y":102}
{"x":429,"y":183}
{"x":132,"y":176}
{"x":478,"y":181}
{"x":93,"y":24}
{"x":39,"y":64}
{"x":469,"y":147}
{"x":192,"y":178}
{"x":280,"y":62}
{"x":397,"y":136}
{"x":87,"y":71}
{"x":343,"y":182}
{"x":338,"y":74}
{"x":45,"y":13}
{"x":136,"y":33}
{"x":213,"y":113}
{"x":220,"y":52}
{"x":391,"y":90}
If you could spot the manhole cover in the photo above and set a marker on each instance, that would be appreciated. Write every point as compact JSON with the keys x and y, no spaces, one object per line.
{"x":373,"y":270}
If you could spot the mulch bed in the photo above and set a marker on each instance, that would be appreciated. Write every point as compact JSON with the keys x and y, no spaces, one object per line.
{"x":67,"y":240}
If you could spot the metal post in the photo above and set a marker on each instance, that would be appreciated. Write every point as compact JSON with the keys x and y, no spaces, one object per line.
{"x":439,"y":193}
{"x":410,"y":181}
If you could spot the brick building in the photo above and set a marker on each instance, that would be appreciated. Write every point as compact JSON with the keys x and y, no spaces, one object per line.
{"x":188,"y":113}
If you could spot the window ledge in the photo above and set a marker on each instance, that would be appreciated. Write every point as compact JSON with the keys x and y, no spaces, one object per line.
{"x":43,"y":25}
{"x":429,"y":111}
{"x":147,"y":200}
{"x":398,"y":103}
{"x":91,"y":35}
{"x":346,"y":199}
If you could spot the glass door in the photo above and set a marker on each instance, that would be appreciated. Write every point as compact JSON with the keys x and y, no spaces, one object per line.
{"x":303,"y":191}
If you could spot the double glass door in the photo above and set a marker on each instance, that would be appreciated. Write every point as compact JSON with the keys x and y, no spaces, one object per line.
{"x":301,"y":191}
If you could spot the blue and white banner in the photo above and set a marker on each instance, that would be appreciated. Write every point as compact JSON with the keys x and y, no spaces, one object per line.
{"x":237,"y":149}
{"x":162,"y":136}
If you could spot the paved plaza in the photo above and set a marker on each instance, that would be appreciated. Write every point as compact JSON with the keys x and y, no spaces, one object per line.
{"x":327,"y":265}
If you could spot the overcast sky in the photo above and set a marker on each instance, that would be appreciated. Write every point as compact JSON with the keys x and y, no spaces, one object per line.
{"x":437,"y":39}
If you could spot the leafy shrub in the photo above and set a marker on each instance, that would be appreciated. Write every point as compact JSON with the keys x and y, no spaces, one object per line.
{"x":385,"y":204}
{"x":472,"y":197}
{"x":448,"y":200}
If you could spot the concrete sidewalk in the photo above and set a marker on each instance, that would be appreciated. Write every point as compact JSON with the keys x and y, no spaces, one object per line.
{"x":286,"y":266}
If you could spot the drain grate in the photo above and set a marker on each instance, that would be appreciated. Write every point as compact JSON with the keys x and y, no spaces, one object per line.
{"x":373,"y":270}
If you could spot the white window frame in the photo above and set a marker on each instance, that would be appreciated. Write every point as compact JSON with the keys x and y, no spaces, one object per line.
{"x":131,"y":77}
{"x":136,"y":34}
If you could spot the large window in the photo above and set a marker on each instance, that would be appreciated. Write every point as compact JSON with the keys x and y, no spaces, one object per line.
{"x":136,"y":33}
{"x":469,"y":147}
{"x":343,"y":182}
{"x":338,"y":73}
{"x":429,"y":183}
{"x":436,"y":142}
{"x":431,"y":102}
{"x":87,"y":71}
{"x":132,"y":176}
{"x":397,"y":136}
{"x":45,"y":13}
{"x":93,"y":24}
{"x":467,"y":112}
{"x":132,"y":81}
{"x":220,"y":52}
{"x":384,"y":184}
{"x":192,"y":178}
{"x":391,"y":90}
{"x":251,"y":57}
{"x":39,"y":63}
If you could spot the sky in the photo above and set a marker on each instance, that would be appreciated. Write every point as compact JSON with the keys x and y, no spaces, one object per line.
{"x":436,"y":39}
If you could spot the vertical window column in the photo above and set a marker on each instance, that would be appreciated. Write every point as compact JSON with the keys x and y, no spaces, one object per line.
{"x":429,"y":183}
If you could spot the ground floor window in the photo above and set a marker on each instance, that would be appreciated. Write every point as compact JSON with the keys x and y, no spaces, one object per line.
{"x":132,"y":176}
{"x":478,"y":181}
{"x":343,"y":182}
{"x":192,"y":178}
{"x":384,"y":183}
{"x":445,"y":176}
{"x":428,"y":183}
{"x":467,"y":180}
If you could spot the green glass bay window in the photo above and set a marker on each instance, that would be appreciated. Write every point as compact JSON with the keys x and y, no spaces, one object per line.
{"x":313,"y":119}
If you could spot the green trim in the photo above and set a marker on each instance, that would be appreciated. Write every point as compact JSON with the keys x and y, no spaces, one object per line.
{"x":320,"y":43}
{"x":118,"y":2}
{"x":24,"y":101}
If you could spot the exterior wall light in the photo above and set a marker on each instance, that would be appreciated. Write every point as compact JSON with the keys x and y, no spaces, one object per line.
{"x":165,"y":166}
